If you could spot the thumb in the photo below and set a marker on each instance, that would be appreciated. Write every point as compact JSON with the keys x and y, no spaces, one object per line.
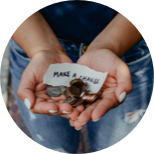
{"x":124,"y":82}
{"x":26,"y":90}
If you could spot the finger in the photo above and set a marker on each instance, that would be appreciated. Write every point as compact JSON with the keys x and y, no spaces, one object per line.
{"x":77,"y":126}
{"x":80,"y":108}
{"x":44,"y":107}
{"x":104,"y":105}
{"x":64,"y":116}
{"x":58,"y":98}
{"x":74,"y":114}
{"x":40,"y":86}
{"x":85,"y":116}
{"x":26,"y":89}
{"x":65,"y":108}
{"x":124,"y":82}
{"x":71,"y":122}
{"x":42,"y":94}
{"x":110,"y":82}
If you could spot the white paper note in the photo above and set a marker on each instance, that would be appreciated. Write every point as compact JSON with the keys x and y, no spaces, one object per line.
{"x":62,"y":74}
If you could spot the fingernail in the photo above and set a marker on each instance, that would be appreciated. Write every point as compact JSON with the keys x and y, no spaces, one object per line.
{"x":52,"y":111}
{"x":65,"y":112}
{"x":27,"y":103}
{"x":122,"y":97}
{"x":51,"y":97}
{"x":96,"y":120}
{"x":79,"y":128}
{"x":83,"y":123}
{"x":74,"y":119}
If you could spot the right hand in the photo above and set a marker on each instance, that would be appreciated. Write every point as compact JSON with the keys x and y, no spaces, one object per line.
{"x":32,"y":90}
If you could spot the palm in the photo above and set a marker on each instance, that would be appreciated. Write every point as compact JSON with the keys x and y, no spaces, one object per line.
{"x":118,"y":73}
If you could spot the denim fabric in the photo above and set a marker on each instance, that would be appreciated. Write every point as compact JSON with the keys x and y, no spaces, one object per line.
{"x":55,"y":132}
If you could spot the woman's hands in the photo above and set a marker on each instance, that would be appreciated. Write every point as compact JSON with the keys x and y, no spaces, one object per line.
{"x":118,"y":83}
{"x":32,"y":90}
{"x":115,"y":88}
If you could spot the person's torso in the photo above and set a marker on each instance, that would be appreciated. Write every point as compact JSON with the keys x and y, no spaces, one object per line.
{"x":79,"y":21}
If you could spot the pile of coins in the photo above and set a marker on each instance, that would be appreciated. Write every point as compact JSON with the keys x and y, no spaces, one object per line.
{"x":78,"y":93}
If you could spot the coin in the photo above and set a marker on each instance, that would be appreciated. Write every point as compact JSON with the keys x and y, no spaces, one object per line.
{"x":71,"y":101}
{"x":76,"y":80}
{"x":65,"y":93}
{"x":53,"y":91}
{"x":74,"y":101}
{"x":84,"y":93}
{"x":77,"y":93}
{"x":79,"y":102}
{"x":85,"y":96}
{"x":74,"y":91}
{"x":90,"y":98}
{"x":62,"y":88}
{"x":84,"y":87}
{"x":77,"y":83}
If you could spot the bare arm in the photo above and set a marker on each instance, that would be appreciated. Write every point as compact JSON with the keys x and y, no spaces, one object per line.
{"x":119,"y":36}
{"x":35,"y":35}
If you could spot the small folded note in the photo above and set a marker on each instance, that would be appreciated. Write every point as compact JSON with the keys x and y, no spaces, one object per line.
{"x":62,"y":74}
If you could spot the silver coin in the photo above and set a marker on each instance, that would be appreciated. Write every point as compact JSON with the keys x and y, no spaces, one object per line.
{"x":79,"y":102}
{"x":71,"y":101}
{"x":74,"y":101}
{"x":62,"y":88}
{"x":53,"y":91}
{"x":65,"y":93}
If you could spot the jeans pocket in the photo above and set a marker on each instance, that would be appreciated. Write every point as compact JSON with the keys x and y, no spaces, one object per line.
{"x":141,"y":71}
{"x":19,"y":62}
{"x":140,"y":59}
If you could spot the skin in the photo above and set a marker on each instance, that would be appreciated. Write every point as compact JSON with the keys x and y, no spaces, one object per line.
{"x":32,"y":87}
{"x":43,"y":47}
{"x":117,"y":82}
{"x":103,"y":55}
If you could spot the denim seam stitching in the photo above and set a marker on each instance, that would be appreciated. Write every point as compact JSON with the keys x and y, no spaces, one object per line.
{"x":138,"y":60}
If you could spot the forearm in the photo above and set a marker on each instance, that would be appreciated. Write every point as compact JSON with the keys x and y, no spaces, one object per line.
{"x":119,"y":36}
{"x":35,"y":35}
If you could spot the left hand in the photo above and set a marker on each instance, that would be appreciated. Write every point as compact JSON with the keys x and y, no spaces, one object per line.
{"x":115,"y":88}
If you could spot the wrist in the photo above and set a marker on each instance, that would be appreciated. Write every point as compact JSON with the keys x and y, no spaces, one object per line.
{"x":119,"y":36}
{"x":51,"y":57}
{"x":53,"y":51}
{"x":100,"y":49}
{"x":106,"y":44}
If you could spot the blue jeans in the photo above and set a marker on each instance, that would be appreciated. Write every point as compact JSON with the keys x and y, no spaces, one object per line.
{"x":55,"y":132}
